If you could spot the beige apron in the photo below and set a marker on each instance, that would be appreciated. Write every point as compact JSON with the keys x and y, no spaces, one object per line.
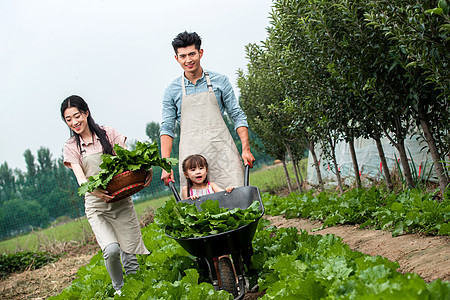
{"x":203,"y":131}
{"x":112,"y":222}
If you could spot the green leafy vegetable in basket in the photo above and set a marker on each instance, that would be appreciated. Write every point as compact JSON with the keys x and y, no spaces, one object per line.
{"x":144,"y":156}
{"x":184,"y":220}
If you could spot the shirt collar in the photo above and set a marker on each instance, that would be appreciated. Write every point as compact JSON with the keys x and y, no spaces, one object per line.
{"x":200,"y":80}
{"x":89,"y":142}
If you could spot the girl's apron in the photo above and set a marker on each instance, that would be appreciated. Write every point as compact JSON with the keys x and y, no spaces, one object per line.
{"x":112,"y":222}
{"x":203,"y":131}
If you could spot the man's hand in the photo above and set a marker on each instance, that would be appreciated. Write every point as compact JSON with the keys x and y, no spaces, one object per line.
{"x":166,"y":148}
{"x":165,"y":176}
{"x":248,"y":158}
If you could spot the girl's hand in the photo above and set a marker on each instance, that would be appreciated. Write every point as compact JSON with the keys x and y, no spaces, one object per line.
{"x":193,"y":197}
{"x":229,"y":189}
{"x":102,"y":194}
{"x":148,"y":178}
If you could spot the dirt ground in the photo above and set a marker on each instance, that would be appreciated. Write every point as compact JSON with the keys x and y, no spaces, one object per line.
{"x":427,"y":256}
{"x":49,"y":280}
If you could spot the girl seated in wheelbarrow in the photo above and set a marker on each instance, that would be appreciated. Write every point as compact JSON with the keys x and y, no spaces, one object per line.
{"x":195,"y":168}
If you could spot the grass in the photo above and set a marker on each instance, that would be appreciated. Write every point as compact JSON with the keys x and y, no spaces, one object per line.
{"x":37,"y":240}
{"x":272,"y":178}
{"x":269,"y":178}
{"x":144,"y":206}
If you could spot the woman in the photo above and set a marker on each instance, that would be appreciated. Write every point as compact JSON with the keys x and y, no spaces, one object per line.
{"x":115,"y":224}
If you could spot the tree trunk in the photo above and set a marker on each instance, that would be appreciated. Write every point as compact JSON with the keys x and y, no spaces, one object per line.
{"x":336,"y":167}
{"x":299,"y":184}
{"x":300,"y":173}
{"x":316,"y":164}
{"x":400,"y":146}
{"x":438,"y":167}
{"x":405,"y":165}
{"x":351,"y":145}
{"x":387,"y":174}
{"x":286,"y":173}
{"x":294,"y":164}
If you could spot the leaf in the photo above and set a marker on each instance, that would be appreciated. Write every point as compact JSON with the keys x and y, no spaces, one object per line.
{"x":398,"y":229}
{"x":412,"y":64}
{"x":436,"y":11}
{"x":444,"y":229}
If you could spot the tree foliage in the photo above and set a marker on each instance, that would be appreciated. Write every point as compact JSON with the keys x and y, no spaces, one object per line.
{"x":35,"y":198}
{"x":353,"y":69}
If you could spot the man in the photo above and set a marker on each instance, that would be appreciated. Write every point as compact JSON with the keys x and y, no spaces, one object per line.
{"x":197,"y":99}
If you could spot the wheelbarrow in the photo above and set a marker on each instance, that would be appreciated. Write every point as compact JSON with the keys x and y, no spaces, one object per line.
{"x":223,"y":255}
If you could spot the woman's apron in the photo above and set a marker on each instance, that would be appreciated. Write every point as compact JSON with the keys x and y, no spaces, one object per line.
{"x":112,"y":222}
{"x":203,"y":131}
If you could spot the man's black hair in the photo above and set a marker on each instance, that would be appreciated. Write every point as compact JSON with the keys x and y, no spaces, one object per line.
{"x":185,"y":39}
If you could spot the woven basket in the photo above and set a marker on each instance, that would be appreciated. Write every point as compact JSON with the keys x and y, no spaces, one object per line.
{"x":126,"y":184}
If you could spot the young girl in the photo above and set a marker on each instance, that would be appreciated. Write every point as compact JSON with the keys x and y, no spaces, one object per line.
{"x":195,"y":169}
{"x":115,"y":224}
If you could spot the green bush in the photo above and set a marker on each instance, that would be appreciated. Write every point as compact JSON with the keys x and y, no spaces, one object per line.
{"x":21,"y":261}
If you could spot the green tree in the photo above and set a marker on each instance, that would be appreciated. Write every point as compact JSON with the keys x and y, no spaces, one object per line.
{"x":356,"y":58}
{"x":7,"y":183}
{"x":29,"y":160}
{"x":421,"y":31}
{"x":44,"y":158}
{"x":152,"y":131}
{"x":18,"y":216}
{"x":263,"y":100}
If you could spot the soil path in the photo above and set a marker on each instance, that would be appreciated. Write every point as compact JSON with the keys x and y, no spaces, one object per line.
{"x":49,"y":280}
{"x":427,"y":256}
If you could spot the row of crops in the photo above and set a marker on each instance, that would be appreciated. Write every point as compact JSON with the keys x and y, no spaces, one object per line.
{"x":288,"y":264}
{"x":412,"y":211}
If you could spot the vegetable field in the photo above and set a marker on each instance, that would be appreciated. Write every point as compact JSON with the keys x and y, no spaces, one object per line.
{"x":318,"y":266}
{"x":287,"y":264}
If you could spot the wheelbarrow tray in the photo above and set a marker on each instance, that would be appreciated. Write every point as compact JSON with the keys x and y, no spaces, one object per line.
{"x":225,"y":242}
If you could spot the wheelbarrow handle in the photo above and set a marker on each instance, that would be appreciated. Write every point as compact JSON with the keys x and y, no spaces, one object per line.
{"x":174,"y":190}
{"x":247,"y":175}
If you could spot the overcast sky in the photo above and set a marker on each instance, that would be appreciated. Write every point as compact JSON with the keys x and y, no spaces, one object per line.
{"x":117,"y":55}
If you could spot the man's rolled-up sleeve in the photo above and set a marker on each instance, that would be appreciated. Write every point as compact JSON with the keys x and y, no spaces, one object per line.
{"x":169,"y":114}
{"x":232,"y":105}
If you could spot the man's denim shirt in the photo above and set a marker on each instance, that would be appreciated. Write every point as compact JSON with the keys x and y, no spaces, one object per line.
{"x":171,"y":110}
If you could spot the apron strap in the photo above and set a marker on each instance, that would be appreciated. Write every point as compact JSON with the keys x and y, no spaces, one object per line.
{"x":182,"y":85}
{"x":208,"y":81}
{"x":83,"y":151}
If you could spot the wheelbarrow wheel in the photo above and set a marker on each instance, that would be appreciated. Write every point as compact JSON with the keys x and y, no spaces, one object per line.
{"x":227,"y":277}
